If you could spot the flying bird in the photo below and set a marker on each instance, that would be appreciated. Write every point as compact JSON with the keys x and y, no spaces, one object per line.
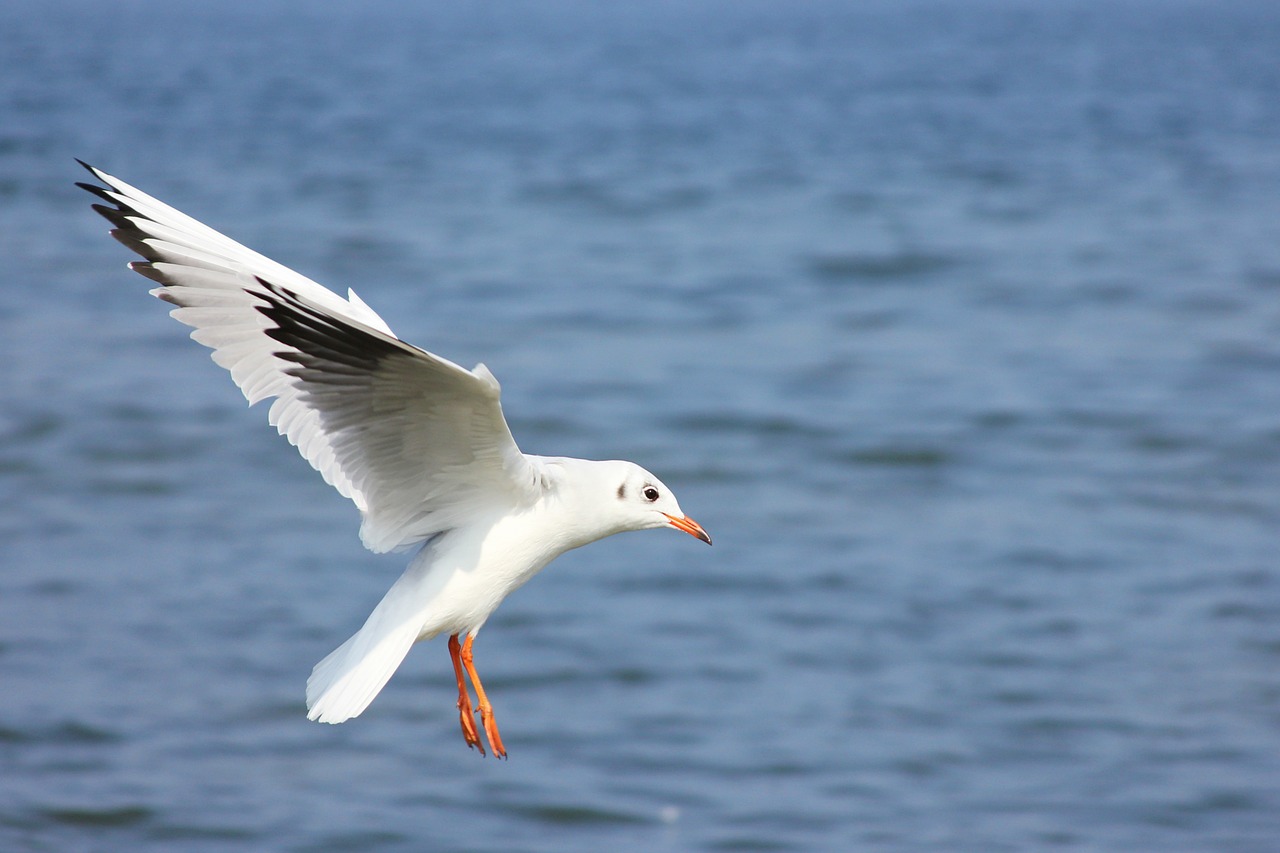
{"x":418,"y":443}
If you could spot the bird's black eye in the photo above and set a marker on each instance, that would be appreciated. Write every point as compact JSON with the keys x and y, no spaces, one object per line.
{"x":650,"y":493}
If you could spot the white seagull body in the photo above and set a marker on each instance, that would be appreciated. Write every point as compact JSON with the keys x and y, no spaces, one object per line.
{"x":418,"y":443}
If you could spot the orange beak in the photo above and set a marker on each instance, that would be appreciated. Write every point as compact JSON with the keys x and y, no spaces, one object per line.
{"x":688,"y":525}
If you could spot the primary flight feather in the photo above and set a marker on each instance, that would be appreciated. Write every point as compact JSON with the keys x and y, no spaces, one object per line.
{"x":418,"y":443}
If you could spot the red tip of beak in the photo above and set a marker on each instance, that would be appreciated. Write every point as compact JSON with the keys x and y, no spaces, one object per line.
{"x":688,"y":525}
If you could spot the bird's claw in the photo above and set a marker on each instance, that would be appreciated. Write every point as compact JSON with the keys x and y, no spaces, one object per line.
{"x":469,"y":733}
{"x":491,"y":732}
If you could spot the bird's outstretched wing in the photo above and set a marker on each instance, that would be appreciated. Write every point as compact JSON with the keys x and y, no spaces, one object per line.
{"x":416,"y":441}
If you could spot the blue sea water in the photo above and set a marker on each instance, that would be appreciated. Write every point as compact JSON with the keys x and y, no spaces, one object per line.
{"x":956,"y":324}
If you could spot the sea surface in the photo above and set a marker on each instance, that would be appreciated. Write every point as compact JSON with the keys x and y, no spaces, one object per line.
{"x":957,"y":324}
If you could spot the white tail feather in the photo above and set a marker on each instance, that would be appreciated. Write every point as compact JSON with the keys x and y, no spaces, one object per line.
{"x":343,"y":684}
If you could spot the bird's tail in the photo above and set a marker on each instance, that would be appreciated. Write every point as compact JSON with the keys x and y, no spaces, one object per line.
{"x":343,"y":684}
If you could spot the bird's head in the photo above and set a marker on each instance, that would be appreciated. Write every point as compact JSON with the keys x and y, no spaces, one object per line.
{"x":641,"y":501}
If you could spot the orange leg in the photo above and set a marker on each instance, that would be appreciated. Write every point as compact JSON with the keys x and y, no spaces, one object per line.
{"x":486,"y":710}
{"x":465,"y":713}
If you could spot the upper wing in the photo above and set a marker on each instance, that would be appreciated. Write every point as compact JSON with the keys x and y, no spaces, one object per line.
{"x":416,"y":441}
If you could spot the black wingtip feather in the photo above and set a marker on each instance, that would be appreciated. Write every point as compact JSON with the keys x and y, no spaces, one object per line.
{"x":129,"y":238}
{"x":100,"y":192}
{"x":114,"y":215}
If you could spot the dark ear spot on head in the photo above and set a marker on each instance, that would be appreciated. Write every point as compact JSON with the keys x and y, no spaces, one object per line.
{"x":622,"y":492}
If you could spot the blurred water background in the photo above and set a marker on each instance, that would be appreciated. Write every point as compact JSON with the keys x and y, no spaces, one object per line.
{"x":957,"y":325}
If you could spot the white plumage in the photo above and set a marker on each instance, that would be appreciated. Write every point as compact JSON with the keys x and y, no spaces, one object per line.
{"x":418,"y":443}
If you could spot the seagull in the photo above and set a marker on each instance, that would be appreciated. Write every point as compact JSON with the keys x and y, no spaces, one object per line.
{"x":416,"y":442}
